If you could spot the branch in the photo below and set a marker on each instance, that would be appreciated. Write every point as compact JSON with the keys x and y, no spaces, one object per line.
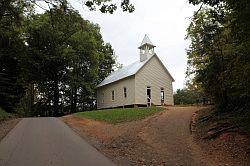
{"x":39,"y":5}
{"x":198,"y":10}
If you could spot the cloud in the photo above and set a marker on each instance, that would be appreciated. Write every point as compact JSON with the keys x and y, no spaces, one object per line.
{"x":165,"y":23}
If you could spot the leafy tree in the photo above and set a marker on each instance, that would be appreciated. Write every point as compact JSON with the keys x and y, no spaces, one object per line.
{"x":107,"y":6}
{"x":54,"y":59}
{"x":218,"y":56}
{"x":12,"y":48}
{"x":46,"y":41}
{"x":186,"y":96}
{"x":67,"y":59}
{"x":91,"y":62}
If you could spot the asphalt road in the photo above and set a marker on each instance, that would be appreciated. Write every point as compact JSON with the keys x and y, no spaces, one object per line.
{"x":47,"y":142}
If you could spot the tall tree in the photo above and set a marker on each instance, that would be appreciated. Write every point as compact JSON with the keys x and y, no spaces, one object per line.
{"x":56,"y":59}
{"x":66,"y":52}
{"x":218,"y":56}
{"x":12,"y":48}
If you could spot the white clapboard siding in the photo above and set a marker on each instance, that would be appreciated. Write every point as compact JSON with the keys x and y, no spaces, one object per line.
{"x":154,"y":75}
{"x":104,"y":93}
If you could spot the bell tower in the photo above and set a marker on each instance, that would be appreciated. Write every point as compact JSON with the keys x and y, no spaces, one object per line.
{"x":146,"y":49}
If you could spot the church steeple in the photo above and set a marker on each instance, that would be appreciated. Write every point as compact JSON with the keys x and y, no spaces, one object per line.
{"x":146,"y":48}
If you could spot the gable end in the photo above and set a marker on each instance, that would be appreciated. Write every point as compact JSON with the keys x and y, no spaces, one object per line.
{"x":165,"y":69}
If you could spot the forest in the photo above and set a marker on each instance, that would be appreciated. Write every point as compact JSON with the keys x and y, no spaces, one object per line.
{"x":218,"y":56}
{"x":50,"y":63}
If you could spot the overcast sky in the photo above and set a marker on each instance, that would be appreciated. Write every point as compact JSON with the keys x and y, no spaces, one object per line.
{"x":165,"y":23}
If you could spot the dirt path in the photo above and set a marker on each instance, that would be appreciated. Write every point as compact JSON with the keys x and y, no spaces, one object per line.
{"x":162,"y":139}
{"x":170,"y":135}
{"x":230,"y":147}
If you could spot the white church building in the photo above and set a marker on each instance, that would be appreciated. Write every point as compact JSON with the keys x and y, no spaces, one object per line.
{"x":141,"y":83}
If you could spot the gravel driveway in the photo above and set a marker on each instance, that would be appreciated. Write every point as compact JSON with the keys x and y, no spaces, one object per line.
{"x":170,"y":135}
{"x":162,"y":139}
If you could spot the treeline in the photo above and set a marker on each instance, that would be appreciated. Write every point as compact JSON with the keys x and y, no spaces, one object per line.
{"x":190,"y":97}
{"x":50,"y":63}
{"x":218,"y":55}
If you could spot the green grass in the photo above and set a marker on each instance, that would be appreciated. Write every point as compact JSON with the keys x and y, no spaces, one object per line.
{"x":119,"y":115}
{"x":5,"y":115}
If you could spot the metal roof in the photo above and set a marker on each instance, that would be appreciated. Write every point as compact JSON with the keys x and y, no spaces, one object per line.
{"x":123,"y":72}
{"x":127,"y":71}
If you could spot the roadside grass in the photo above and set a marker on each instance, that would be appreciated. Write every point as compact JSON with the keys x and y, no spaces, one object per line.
{"x":119,"y":115}
{"x":5,"y":115}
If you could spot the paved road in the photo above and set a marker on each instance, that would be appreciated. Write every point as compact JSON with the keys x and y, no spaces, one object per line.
{"x":47,"y":142}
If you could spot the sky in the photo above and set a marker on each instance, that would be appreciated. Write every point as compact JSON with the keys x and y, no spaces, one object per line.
{"x":164,"y":21}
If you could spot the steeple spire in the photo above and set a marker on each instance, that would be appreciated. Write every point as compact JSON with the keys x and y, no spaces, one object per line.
{"x":146,"y":48}
{"x":146,"y":41}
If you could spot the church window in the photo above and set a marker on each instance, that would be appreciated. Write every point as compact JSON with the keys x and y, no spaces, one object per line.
{"x":113,"y":95}
{"x":125,"y":92}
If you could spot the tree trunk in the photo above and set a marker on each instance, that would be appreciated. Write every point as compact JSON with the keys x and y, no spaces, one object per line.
{"x":31,"y":99}
{"x":56,"y":99}
{"x":74,"y":100}
{"x":71,"y":100}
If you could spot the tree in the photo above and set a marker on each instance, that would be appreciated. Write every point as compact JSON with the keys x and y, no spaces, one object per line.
{"x":65,"y":54}
{"x":218,"y":56}
{"x":54,"y":59}
{"x":106,"y":6}
{"x":92,"y":61}
{"x":187,"y":96}
{"x":12,"y":48}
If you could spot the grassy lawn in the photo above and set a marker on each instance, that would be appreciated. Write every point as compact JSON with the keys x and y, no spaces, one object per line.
{"x":4,"y":115}
{"x":118,"y":115}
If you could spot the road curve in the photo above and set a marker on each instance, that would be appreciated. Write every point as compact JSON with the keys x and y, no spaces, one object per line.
{"x":47,"y":142}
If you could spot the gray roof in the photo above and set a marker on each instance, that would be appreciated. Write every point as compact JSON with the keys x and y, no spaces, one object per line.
{"x":127,"y":71}
{"x":123,"y":72}
{"x":146,"y":41}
